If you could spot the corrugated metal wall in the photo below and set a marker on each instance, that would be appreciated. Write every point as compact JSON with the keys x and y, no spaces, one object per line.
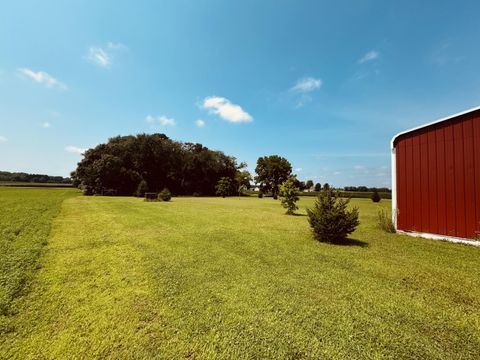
{"x":438,"y":178}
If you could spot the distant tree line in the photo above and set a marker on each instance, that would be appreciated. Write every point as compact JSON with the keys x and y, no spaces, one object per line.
{"x":366,"y":189}
{"x":33,"y":178}
{"x":130,"y":165}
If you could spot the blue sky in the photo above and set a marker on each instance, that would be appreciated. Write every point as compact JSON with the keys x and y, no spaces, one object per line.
{"x":324,"y":84}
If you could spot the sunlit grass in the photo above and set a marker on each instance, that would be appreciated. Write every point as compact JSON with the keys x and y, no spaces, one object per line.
{"x":236,"y":278}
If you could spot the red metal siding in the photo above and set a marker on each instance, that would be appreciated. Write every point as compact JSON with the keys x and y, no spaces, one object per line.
{"x":438,"y":178}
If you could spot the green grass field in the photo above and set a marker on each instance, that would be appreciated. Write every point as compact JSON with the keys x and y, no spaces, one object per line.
{"x":200,"y":278}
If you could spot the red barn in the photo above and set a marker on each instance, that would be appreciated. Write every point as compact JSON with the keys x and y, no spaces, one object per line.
{"x":436,"y":178}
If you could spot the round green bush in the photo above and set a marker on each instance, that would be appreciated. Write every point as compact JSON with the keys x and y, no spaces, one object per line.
{"x":164,"y":195}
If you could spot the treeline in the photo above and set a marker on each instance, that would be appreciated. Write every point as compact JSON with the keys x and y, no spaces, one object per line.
{"x":133,"y":165}
{"x":6,"y":176}
{"x":366,"y":189}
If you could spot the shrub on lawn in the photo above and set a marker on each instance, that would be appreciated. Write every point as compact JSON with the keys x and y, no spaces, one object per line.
{"x":164,"y":195}
{"x":260,"y":195}
{"x":384,"y":221}
{"x":288,"y":195}
{"x":376,"y":196}
{"x":330,"y":219}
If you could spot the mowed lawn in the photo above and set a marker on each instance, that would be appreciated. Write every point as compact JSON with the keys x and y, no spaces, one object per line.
{"x":201,"y":278}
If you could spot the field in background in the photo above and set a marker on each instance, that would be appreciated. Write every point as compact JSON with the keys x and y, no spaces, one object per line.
{"x":32,"y":185}
{"x":236,"y":278}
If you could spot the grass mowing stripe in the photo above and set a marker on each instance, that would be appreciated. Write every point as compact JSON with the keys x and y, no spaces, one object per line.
{"x":25,"y":221}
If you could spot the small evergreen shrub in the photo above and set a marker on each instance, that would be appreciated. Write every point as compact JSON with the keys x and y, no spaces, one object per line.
{"x":164,"y":195}
{"x":288,"y":195}
{"x":260,"y":195}
{"x":330,"y":219}
{"x":376,"y":196}
{"x":384,"y":221}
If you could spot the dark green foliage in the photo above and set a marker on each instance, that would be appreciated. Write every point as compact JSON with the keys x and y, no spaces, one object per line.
{"x":384,"y":221}
{"x":288,"y":195}
{"x":272,"y":171}
{"x":124,"y":161}
{"x":330,"y":219}
{"x":376,"y":196}
{"x":318,"y":187}
{"x":260,"y":195}
{"x":32,"y":178}
{"x":164,"y":195}
{"x":224,"y":187}
{"x":351,"y":194}
{"x":309,"y":184}
{"x":142,"y":188}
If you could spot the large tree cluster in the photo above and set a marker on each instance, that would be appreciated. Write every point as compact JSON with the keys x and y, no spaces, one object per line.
{"x":153,"y":162}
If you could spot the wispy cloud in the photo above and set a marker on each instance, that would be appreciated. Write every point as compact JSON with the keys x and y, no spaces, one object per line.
{"x":226,"y":109}
{"x":103,"y":56}
{"x":200,"y":123}
{"x":74,"y":149}
{"x":3,"y":139}
{"x":302,"y":89}
{"x":307,"y":84}
{"x":161,"y":120}
{"x":298,"y":170}
{"x":369,"y":56}
{"x":46,"y":125}
{"x":99,"y":56}
{"x":42,"y":77}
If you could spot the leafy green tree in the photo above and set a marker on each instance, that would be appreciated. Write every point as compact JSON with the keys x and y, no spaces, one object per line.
{"x":318,"y":187}
{"x":376,"y":196}
{"x":242,"y":179}
{"x":122,"y":162}
{"x":326,"y":186}
{"x":224,"y":187}
{"x":142,"y":188}
{"x":330,"y":219}
{"x":272,"y":171}
{"x":288,"y":195}
{"x":309,"y":184}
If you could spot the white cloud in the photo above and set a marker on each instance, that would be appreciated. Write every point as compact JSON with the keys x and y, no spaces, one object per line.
{"x":46,"y":125}
{"x":74,"y":149}
{"x":200,"y":123}
{"x":307,"y":84}
{"x":162,"y":120}
{"x":226,"y":110}
{"x":103,"y":56}
{"x":298,"y":170}
{"x":3,"y":139}
{"x":99,"y":56}
{"x":42,"y":77}
{"x":369,"y":56}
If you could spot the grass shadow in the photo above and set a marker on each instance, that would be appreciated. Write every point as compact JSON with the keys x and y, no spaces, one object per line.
{"x":351,"y":242}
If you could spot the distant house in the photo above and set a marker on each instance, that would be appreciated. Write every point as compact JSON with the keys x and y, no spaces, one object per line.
{"x":436,"y":178}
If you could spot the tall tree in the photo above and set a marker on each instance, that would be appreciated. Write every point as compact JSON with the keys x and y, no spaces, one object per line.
{"x":309,"y":184}
{"x":318,"y":187}
{"x":272,"y":171}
